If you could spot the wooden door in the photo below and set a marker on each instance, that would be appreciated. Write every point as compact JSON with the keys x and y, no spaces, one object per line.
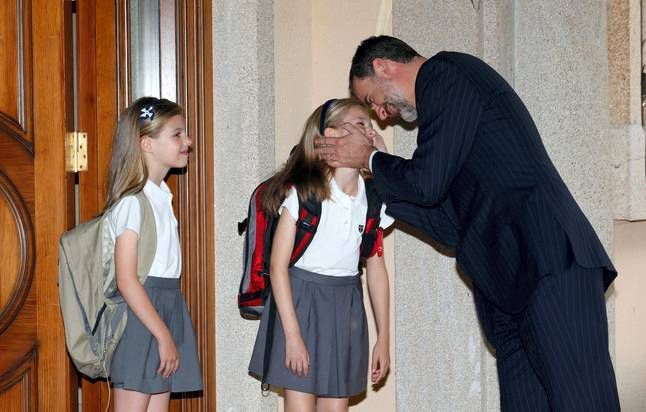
{"x":107,"y":46}
{"x":35,"y":103}
{"x":37,"y":200}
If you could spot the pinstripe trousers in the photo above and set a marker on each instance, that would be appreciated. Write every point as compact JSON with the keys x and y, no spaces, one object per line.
{"x":553,"y":356}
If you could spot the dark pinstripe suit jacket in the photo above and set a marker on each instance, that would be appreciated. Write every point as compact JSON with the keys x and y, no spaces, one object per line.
{"x":480,"y":181}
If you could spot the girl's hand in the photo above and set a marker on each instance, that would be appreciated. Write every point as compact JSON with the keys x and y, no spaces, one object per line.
{"x":168,"y":355}
{"x":380,"y":361}
{"x":377,"y":140}
{"x":297,"y":359}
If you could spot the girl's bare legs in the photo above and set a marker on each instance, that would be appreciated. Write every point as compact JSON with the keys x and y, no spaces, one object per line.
{"x":299,"y":401}
{"x":332,"y":405}
{"x":159,"y":402}
{"x":130,"y":401}
{"x":133,"y":401}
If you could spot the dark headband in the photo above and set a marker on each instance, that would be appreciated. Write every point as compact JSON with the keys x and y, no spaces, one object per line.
{"x":326,"y":107}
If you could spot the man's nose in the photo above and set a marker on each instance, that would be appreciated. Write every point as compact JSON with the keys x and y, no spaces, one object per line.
{"x":381,"y":112}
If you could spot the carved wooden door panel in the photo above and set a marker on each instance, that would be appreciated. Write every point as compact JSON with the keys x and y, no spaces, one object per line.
{"x":35,"y":373}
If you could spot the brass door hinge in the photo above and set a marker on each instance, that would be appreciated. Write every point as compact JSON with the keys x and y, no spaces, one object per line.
{"x":76,"y":152}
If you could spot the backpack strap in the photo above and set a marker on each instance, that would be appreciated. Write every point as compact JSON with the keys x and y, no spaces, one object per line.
{"x":309,"y":216}
{"x":147,"y":244}
{"x":372,"y":238}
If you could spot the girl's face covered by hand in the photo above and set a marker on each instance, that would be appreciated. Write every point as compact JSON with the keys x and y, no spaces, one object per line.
{"x":356,"y":116}
{"x":359,"y":118}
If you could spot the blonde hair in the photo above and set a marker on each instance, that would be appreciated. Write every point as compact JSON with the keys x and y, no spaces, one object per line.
{"x":128,"y":173}
{"x":304,"y":169}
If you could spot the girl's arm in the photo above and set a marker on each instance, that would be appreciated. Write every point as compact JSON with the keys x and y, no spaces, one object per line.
{"x":379,"y":291}
{"x":296,"y":356}
{"x":125,"y":255}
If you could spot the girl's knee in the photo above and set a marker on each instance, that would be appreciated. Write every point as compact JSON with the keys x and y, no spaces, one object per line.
{"x":296,"y":401}
{"x":332,"y":405}
{"x":130,"y":401}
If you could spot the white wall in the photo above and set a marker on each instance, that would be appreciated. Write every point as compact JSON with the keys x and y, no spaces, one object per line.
{"x":630,"y":312}
{"x":243,"y":82}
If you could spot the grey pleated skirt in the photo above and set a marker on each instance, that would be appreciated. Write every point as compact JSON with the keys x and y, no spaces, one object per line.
{"x":136,"y":358}
{"x":333,"y":324}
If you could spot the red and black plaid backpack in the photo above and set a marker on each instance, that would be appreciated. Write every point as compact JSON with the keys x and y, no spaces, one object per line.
{"x":255,"y":286}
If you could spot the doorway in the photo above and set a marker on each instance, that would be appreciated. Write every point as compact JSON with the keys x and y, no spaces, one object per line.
{"x":131,"y":48}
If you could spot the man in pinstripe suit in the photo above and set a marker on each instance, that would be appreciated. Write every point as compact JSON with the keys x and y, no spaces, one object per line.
{"x":480,"y":181}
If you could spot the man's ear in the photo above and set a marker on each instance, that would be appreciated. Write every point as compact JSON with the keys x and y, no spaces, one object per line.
{"x":146,"y":144}
{"x":382,"y":68}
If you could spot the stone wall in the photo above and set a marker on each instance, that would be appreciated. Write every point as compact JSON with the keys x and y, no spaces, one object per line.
{"x":554,"y":53}
{"x":243,"y":71}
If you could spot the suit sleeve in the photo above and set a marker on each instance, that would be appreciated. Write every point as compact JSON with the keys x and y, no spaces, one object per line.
{"x":449,"y":108}
{"x":433,"y":221}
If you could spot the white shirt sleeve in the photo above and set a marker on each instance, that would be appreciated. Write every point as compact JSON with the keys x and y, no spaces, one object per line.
{"x":125,"y":215}
{"x":290,"y":203}
{"x":370,"y":159}
{"x":385,"y":220}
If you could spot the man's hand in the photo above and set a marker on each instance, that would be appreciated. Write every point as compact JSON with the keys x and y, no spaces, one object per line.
{"x":350,"y":150}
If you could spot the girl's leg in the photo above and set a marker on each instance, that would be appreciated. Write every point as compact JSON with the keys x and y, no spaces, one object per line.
{"x":299,"y":401}
{"x":127,"y":401}
{"x":159,"y":402}
{"x":332,"y":404}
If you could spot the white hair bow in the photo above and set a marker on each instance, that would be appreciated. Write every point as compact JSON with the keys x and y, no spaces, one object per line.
{"x":147,"y":113}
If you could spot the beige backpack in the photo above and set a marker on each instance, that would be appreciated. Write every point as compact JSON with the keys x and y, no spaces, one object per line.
{"x":94,"y":313}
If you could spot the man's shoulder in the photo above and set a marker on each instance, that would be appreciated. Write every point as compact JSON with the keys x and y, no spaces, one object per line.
{"x":468,"y":67}
{"x":455,"y":57}
{"x":445,"y":63}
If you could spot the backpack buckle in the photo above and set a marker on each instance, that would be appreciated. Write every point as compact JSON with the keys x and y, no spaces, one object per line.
{"x":306,"y":226}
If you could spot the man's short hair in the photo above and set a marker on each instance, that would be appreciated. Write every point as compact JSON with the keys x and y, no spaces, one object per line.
{"x":378,"y":47}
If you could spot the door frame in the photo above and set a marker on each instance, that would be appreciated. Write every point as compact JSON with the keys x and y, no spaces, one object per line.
{"x":52,"y":117}
{"x":103,"y":92}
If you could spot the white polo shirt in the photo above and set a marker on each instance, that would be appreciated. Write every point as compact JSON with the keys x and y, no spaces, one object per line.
{"x":335,"y":248}
{"x":126,"y":215}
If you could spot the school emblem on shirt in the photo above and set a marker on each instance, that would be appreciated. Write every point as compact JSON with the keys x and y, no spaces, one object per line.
{"x":360,"y":228}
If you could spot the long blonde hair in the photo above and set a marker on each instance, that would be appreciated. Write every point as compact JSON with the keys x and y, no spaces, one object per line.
{"x":304,"y":169}
{"x":128,"y":173}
